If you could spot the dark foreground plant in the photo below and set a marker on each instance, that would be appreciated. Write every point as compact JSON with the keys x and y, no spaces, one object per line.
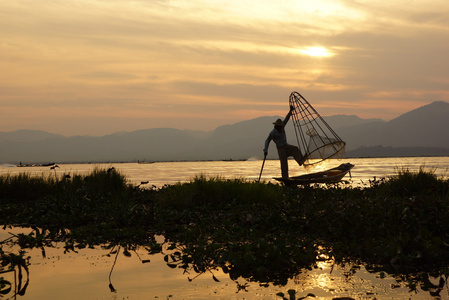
{"x":261,"y":232}
{"x":92,"y":207}
{"x":100,"y":208}
{"x":401,"y":224}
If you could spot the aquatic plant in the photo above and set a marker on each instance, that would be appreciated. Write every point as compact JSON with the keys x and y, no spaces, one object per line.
{"x":408,"y":184}
{"x":217,"y":191}
{"x":24,"y":187}
{"x":92,"y":207}
{"x":259,"y":231}
{"x":18,"y":265}
{"x":376,"y":225}
{"x":292,"y":295}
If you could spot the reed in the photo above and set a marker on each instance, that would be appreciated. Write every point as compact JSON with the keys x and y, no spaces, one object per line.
{"x":25,"y":187}
{"x":402,"y":220}
{"x":99,"y":204}
{"x":202,"y":190}
{"x":406,"y":183}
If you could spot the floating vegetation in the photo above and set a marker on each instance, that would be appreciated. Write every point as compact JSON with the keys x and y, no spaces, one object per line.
{"x":258,"y":231}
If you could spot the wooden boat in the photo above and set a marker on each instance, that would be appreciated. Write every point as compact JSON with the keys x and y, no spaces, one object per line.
{"x":329,"y":176}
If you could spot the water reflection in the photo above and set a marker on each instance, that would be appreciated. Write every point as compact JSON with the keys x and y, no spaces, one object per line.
{"x":197,"y":272}
{"x":14,"y":273}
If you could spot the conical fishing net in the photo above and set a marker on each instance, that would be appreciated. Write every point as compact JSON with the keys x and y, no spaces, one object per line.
{"x":316,"y":139}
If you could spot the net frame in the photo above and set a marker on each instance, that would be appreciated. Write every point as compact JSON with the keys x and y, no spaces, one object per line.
{"x":323,"y":142}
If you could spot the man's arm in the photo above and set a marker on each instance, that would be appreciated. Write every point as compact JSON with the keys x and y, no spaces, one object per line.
{"x":267,"y":143}
{"x":287,"y":117}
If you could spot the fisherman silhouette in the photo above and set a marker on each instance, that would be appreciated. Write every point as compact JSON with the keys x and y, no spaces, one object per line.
{"x":284,"y":149}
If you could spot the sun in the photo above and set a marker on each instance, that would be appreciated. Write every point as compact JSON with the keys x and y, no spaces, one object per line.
{"x":316,"y":51}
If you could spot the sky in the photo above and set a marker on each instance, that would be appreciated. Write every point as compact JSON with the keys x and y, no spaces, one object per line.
{"x":95,"y":67}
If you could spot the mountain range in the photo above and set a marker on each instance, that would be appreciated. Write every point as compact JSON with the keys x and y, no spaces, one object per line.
{"x":420,"y":132}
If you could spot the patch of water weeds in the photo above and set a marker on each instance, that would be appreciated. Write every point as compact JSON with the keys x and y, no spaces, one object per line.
{"x":259,"y":232}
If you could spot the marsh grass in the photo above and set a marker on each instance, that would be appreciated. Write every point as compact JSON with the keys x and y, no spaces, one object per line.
{"x":101,"y":205}
{"x":28,"y":187}
{"x":402,"y":221}
{"x":425,"y":181}
{"x":218,"y":191}
{"x":25,"y":187}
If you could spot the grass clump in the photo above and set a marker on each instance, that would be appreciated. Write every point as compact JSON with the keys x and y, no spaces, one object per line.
{"x":96,"y":206}
{"x":217,"y":191}
{"x":423,"y":182}
{"x":25,"y":187}
{"x":402,"y":221}
{"x":237,"y":225}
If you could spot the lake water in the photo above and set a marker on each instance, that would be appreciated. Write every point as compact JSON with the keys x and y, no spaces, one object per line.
{"x":161,"y":173}
{"x":85,"y":275}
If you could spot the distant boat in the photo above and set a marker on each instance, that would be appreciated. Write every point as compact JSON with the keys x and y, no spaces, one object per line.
{"x":242,"y":159}
{"x":35,"y":165}
{"x":47,"y":165}
{"x":145,"y":162}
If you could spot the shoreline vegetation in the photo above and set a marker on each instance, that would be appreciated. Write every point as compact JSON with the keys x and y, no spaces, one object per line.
{"x":238,"y":159}
{"x":258,"y":231}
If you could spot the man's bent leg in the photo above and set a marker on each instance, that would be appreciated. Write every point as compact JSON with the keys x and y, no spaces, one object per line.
{"x":296,"y":153}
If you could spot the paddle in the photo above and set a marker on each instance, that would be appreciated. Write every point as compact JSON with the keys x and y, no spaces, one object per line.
{"x":260,"y":175}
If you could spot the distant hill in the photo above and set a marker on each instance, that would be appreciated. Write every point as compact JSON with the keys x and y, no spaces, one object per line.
{"x":344,"y":121}
{"x":25,"y":135}
{"x":381,"y":151}
{"x":426,"y":126}
{"x":423,"y":127}
{"x":422,"y":131}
